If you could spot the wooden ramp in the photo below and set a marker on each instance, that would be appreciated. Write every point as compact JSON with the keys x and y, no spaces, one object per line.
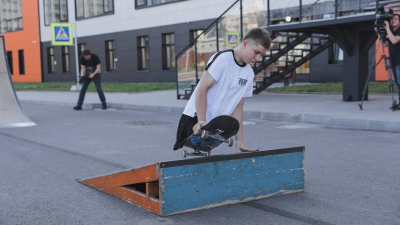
{"x":167,"y":188}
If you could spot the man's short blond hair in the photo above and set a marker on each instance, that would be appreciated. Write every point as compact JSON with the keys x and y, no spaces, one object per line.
{"x":259,"y":36}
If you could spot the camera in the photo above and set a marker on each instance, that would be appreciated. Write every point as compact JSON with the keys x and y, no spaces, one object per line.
{"x":381,"y":16}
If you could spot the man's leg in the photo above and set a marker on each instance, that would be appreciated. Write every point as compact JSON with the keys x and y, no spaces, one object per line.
{"x":396,"y":75}
{"x":85,"y":85}
{"x":97,"y":83}
{"x":185,"y":129}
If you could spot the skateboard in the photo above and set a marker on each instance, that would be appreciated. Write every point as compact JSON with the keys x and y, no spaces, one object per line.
{"x":217,"y":131}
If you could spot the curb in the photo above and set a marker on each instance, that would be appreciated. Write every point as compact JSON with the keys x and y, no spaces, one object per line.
{"x":328,"y":121}
{"x":366,"y":125}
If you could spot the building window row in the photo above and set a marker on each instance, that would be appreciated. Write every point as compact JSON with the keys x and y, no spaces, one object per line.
{"x":168,"y":52}
{"x":21,"y":62}
{"x":111,"y":64}
{"x":65,"y":58}
{"x":10,"y":62}
{"x":150,"y":3}
{"x":55,"y":11}
{"x":10,"y":15}
{"x":143,"y":53}
{"x":92,"y":8}
{"x":50,"y":59}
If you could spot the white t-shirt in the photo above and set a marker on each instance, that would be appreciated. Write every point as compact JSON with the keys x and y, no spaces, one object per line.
{"x":233,"y":82}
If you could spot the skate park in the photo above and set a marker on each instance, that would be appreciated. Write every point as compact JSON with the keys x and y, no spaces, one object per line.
{"x":346,"y":162}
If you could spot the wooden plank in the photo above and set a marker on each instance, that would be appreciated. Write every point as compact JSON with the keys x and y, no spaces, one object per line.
{"x":131,"y":176}
{"x":152,"y":189}
{"x":134,"y":197}
{"x":216,"y":183}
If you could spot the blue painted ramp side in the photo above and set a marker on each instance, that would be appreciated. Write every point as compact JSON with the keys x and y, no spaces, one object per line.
{"x":230,"y":180}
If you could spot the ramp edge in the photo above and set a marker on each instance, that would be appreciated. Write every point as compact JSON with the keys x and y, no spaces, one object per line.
{"x":11,"y":125}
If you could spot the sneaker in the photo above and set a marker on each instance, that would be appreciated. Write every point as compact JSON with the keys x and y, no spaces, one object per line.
{"x":78,"y":107}
{"x":104,"y":107}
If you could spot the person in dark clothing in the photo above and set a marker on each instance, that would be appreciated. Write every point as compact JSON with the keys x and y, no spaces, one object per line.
{"x":393,"y":32}
{"x":90,"y":70}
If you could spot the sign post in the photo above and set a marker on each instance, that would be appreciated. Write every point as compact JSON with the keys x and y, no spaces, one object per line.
{"x":61,"y":34}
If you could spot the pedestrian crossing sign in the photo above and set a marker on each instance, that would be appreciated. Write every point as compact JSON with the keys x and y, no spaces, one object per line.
{"x":232,"y":39}
{"x":61,"y":34}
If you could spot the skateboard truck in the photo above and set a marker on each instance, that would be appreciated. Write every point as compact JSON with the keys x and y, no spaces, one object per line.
{"x":195,"y":153}
{"x":216,"y":136}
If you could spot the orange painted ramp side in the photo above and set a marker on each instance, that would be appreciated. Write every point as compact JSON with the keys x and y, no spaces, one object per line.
{"x":380,"y":71}
{"x":127,"y":177}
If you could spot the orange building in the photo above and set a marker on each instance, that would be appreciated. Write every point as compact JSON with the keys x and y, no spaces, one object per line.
{"x":19,"y":24}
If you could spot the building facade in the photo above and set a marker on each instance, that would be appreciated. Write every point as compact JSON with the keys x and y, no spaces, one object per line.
{"x":19,"y":24}
{"x":136,"y":40}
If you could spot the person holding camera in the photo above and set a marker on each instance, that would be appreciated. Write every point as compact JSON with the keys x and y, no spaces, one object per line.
{"x":90,"y":70}
{"x":393,"y":32}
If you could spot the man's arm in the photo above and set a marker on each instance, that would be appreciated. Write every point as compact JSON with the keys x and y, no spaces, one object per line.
{"x":392,"y":38}
{"x":238,"y":114}
{"x":206,"y":82}
{"x":98,"y":68}
{"x":83,"y":71}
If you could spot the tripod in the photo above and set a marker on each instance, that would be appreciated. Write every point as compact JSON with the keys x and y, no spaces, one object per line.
{"x":388,"y":68}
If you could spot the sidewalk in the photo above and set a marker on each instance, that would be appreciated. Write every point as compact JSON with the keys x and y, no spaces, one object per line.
{"x":326,"y":109}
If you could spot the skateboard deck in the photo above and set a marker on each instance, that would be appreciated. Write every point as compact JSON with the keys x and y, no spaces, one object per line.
{"x":217,"y":131}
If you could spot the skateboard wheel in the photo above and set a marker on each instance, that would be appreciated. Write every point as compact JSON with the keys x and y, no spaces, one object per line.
{"x":230,"y":142}
{"x":184,"y":153}
{"x":209,"y":153}
{"x":204,"y":135}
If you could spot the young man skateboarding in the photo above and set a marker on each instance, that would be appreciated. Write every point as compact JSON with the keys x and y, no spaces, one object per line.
{"x":226,"y":82}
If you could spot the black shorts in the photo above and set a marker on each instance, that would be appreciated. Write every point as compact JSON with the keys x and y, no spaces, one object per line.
{"x":185,"y":129}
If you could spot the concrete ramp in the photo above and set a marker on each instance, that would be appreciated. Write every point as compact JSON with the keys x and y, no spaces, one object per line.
{"x":11,"y":114}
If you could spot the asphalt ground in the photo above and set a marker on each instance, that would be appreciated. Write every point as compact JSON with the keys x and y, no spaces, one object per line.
{"x":351,"y":177}
{"x":326,"y":109}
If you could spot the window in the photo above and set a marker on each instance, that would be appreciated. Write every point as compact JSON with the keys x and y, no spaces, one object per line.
{"x":148,"y":3}
{"x":21,"y":62}
{"x":10,"y":62}
{"x":110,"y":56}
{"x":91,"y":8}
{"x":11,"y":15}
{"x":143,"y":53}
{"x":50,"y":59}
{"x":194,"y":34}
{"x":168,"y":51}
{"x":55,"y":11}
{"x":81,"y":48}
{"x":335,"y":54}
{"x":65,"y":58}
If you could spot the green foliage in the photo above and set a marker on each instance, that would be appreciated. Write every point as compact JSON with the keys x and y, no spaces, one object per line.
{"x":373,"y":87}
{"x":107,"y":87}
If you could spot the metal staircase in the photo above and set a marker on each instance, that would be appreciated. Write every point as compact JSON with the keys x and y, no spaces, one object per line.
{"x":293,"y":43}
{"x":288,"y":51}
